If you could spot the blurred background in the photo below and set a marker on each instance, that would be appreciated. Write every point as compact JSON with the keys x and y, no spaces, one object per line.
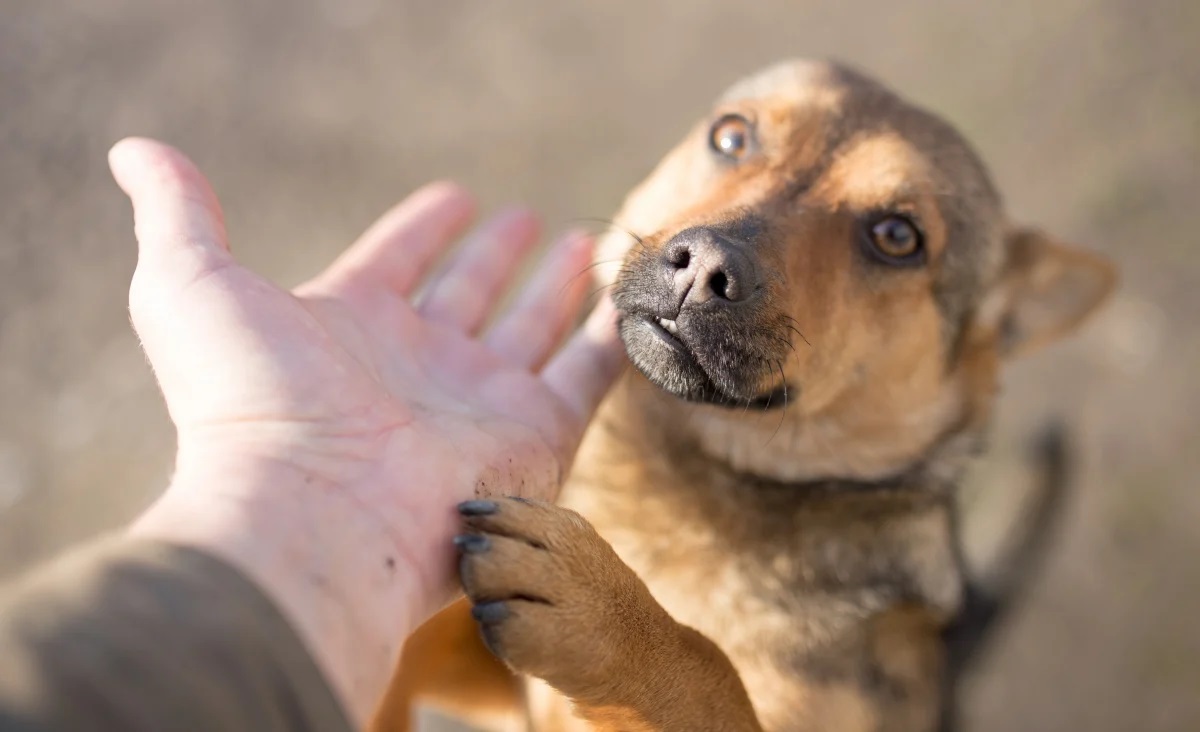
{"x":312,"y":116}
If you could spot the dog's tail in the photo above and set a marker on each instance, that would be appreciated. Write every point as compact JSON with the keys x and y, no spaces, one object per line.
{"x":998,"y":588}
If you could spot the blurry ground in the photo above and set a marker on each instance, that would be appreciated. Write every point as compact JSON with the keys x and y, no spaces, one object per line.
{"x":311,"y":116}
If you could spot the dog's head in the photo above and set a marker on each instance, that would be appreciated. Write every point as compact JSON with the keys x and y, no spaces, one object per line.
{"x":820,"y":247}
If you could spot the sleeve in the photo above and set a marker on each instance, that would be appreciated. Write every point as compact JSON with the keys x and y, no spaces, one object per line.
{"x":137,"y":635}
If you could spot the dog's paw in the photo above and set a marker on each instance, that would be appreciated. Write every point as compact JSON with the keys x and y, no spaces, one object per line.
{"x":552,"y":598}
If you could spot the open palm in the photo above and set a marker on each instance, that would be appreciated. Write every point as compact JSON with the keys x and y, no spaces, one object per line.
{"x":325,"y":434}
{"x":352,"y":379}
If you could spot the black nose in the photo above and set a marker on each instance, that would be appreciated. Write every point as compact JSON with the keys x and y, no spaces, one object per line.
{"x":704,"y":266}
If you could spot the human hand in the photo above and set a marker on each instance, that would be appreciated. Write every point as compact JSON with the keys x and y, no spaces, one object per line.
{"x":326,"y":434}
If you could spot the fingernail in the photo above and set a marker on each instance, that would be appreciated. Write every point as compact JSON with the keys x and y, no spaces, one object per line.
{"x":472,"y":543}
{"x":490,"y":612}
{"x":478,"y":508}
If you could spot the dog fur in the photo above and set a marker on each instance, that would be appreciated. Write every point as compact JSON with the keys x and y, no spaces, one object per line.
{"x":760,"y":529}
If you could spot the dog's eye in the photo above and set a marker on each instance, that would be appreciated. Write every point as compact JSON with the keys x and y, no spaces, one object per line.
{"x":896,"y":239}
{"x":730,"y":136}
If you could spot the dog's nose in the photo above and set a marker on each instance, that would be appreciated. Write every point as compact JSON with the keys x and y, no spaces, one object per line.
{"x":705,"y":267}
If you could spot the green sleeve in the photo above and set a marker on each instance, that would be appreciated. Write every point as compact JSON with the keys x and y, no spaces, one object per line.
{"x":137,"y":635}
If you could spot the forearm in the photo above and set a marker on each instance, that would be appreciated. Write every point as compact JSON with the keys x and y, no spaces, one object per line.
{"x":351,"y":588}
{"x":141,"y":636}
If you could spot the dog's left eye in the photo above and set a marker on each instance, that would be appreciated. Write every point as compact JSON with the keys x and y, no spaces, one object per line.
{"x":731,"y":136}
{"x":896,"y":239}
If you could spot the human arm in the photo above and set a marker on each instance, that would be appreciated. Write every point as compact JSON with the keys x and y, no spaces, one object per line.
{"x":325,"y":434}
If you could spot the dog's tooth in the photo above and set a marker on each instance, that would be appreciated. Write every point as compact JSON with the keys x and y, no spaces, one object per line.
{"x":668,"y":325}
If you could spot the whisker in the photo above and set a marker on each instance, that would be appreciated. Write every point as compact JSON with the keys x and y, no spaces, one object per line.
{"x":610,"y":224}
{"x":785,"y":341}
{"x":782,"y":412}
{"x":600,"y":289}
{"x":793,"y":325}
{"x":792,"y":346}
{"x":584,"y":271}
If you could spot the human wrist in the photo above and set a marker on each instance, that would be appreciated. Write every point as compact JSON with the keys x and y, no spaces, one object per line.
{"x":352,"y":585}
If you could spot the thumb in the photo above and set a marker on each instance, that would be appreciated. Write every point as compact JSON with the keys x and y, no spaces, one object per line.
{"x":178,"y":223}
{"x":181,"y":237}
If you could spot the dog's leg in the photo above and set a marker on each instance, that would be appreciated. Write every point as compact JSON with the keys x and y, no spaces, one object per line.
{"x":444,"y":664}
{"x":554,"y":601}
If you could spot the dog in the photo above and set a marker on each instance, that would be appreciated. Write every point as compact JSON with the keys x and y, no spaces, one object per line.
{"x":818,"y":288}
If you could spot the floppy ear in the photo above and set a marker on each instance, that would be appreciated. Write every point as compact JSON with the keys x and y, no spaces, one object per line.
{"x":1046,"y":290}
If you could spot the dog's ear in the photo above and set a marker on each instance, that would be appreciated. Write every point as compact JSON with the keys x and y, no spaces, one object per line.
{"x":1046,"y":290}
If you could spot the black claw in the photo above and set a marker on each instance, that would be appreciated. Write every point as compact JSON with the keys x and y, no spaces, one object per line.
{"x":488,"y":633}
{"x":478,"y":508}
{"x":490,"y":612}
{"x":472,"y":543}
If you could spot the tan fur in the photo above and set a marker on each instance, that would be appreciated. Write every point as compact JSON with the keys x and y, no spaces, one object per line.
{"x":789,"y":569}
{"x":452,"y":658}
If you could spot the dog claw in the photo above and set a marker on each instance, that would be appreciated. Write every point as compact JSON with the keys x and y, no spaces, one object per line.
{"x":488,"y":634}
{"x":490,"y":612}
{"x":472,"y":543}
{"x":478,"y":507}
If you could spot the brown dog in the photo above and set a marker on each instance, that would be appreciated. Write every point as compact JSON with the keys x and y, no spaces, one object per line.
{"x":817,"y":308}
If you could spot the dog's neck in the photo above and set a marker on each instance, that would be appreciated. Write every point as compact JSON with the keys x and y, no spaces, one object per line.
{"x":661,"y":498}
{"x":771,"y":452}
{"x":846,"y":438}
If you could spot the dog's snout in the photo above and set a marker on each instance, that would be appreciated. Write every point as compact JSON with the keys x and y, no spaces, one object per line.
{"x":704,"y":266}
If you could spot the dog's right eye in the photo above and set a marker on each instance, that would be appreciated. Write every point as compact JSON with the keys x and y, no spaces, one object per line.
{"x":731,"y":136}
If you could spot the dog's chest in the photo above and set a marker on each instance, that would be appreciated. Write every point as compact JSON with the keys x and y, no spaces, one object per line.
{"x":793,"y":597}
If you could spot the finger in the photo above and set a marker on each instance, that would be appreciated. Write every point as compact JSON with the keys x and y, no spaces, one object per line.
{"x":177,"y":220}
{"x":547,"y":307}
{"x":464,"y":295}
{"x":397,"y":251}
{"x":582,"y":372}
{"x":181,"y":238}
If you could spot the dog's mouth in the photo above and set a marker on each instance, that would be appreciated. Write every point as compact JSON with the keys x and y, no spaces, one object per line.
{"x":667,"y":330}
{"x":690,"y":361}
{"x":669,"y":326}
